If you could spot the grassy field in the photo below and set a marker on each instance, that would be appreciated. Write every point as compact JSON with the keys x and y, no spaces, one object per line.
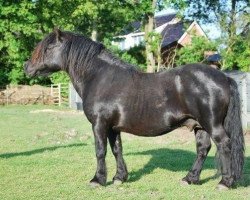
{"x":49,"y":154}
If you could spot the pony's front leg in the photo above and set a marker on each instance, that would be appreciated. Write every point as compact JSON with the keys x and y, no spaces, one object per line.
{"x":116,"y":147}
{"x":100,"y":133}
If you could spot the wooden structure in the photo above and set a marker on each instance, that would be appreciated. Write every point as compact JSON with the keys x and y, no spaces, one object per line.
{"x":243,"y":81}
{"x":75,"y":101}
{"x":59,"y":93}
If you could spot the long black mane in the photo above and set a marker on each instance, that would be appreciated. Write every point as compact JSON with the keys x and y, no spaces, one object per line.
{"x":79,"y":52}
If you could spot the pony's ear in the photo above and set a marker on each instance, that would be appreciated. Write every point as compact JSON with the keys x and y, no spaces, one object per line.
{"x":58,"y":33}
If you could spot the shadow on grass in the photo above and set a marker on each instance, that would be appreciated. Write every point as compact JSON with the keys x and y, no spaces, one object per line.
{"x":179,"y":160}
{"x":37,"y":151}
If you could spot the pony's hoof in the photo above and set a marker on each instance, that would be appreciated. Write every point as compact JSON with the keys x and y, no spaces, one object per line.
{"x":94,"y":184}
{"x":184,"y":182}
{"x":222,"y":187}
{"x":117,"y":182}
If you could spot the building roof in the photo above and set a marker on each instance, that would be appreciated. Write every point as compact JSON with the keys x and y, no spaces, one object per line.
{"x":171,"y":28}
{"x":163,"y":19}
{"x":172,"y":33}
{"x":159,"y":20}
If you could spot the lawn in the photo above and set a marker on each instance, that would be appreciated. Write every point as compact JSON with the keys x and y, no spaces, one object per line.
{"x":48,"y":153}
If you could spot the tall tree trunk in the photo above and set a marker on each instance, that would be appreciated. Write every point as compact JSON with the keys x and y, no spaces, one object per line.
{"x":232,"y":23}
{"x":231,"y":29}
{"x":159,"y":59}
{"x":149,"y":28}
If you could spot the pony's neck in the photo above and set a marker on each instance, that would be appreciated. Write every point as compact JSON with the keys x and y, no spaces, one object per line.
{"x":84,"y":59}
{"x":79,"y":52}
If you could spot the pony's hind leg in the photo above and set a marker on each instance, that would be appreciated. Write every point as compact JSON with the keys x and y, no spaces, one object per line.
{"x":203,"y":145}
{"x":116,"y":147}
{"x":100,"y":134}
{"x":223,"y":144}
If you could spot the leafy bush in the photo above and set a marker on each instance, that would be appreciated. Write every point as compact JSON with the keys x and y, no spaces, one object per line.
{"x":238,"y":55}
{"x":134,"y":56}
{"x":194,"y":52}
{"x":60,"y":77}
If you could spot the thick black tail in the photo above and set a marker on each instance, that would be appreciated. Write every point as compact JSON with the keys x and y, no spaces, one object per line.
{"x":233,"y":127}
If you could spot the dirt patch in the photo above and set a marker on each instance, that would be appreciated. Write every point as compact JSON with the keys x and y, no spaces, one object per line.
{"x":25,"y":94}
{"x":247,"y":137}
{"x":56,"y":111}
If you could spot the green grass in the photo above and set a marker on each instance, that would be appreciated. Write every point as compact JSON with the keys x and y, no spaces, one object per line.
{"x":50,"y":155}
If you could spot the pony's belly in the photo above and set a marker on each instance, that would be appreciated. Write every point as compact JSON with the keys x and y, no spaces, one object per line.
{"x":144,"y":130}
{"x":157,"y":123}
{"x":156,"y":126}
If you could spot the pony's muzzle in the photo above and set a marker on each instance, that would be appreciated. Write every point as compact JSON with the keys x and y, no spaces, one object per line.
{"x":27,"y":69}
{"x":25,"y":66}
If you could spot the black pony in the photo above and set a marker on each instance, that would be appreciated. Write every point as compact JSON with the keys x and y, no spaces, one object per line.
{"x":117,"y":97}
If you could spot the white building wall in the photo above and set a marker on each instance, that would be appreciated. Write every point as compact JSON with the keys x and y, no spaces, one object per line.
{"x":130,"y":40}
{"x":134,"y":39}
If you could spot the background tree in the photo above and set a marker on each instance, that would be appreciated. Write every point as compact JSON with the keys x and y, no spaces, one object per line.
{"x":103,"y":19}
{"x":152,"y":39}
{"x":149,"y":38}
{"x":24,"y":23}
{"x":232,"y":17}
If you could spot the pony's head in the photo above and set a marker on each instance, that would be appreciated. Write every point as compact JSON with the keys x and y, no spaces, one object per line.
{"x":47,"y":56}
